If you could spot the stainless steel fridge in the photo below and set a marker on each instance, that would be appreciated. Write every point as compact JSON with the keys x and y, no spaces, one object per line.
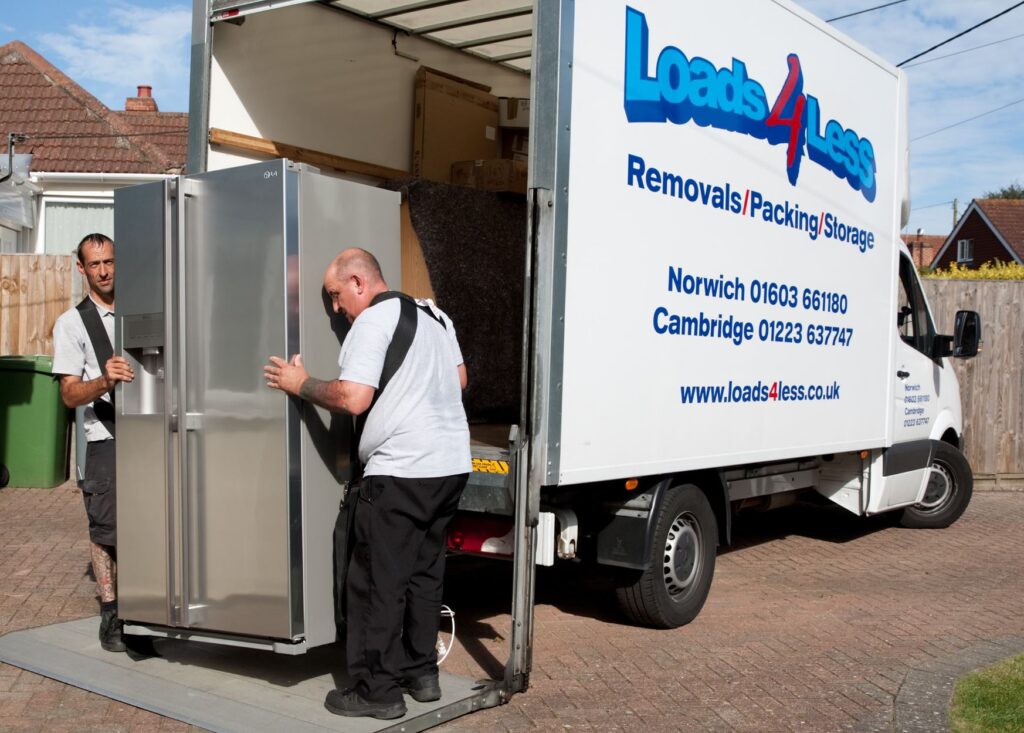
{"x":228,"y":490}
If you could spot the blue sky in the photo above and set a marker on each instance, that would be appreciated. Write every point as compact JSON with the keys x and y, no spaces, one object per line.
{"x":112,"y":46}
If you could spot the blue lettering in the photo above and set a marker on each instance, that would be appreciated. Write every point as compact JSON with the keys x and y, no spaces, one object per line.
{"x":694,"y":89}
{"x":653,"y":179}
{"x":635,"y":171}
{"x":673,"y":76}
{"x":675,"y":279}
{"x":756,"y":201}
{"x":662,"y":312}
{"x":643,"y":98}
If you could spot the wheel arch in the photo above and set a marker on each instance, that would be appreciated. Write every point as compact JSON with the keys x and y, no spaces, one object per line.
{"x":637,"y":536}
{"x":947,"y":429}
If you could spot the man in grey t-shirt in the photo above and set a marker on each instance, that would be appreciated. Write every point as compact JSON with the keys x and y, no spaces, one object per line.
{"x":84,"y":381}
{"x":415,"y":452}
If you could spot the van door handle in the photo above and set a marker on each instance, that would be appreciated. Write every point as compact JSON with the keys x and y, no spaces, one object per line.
{"x":902,"y":374}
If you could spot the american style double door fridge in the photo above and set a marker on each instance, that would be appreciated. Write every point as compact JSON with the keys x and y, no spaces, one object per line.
{"x":228,"y":490}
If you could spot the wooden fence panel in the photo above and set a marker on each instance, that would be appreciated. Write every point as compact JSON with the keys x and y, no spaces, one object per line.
{"x":34,"y":291}
{"x":992,"y":383}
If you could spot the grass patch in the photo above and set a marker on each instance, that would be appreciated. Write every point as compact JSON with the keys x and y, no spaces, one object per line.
{"x":990,"y":700}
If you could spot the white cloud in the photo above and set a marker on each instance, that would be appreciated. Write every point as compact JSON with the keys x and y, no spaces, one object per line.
{"x":4,"y":28}
{"x":968,"y":159}
{"x":126,"y":45}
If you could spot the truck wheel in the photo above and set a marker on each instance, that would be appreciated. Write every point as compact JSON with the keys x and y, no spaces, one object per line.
{"x":673,"y":589}
{"x":5,"y":476}
{"x":948,"y":492}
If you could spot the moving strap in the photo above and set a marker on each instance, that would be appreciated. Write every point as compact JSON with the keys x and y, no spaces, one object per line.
{"x":104,"y":350}
{"x":401,"y":342}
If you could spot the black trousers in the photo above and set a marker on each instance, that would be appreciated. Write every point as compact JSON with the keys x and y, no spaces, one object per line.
{"x":99,"y":492}
{"x":396,"y":578}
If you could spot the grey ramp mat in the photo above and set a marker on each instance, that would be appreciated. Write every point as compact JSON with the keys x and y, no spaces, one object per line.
{"x":216,"y":687}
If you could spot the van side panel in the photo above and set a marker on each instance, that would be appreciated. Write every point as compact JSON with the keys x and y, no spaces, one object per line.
{"x":733,"y":217}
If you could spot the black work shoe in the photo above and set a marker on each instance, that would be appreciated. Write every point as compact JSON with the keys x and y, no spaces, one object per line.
{"x":425,"y":688}
{"x":111,"y":632}
{"x":352,"y":705}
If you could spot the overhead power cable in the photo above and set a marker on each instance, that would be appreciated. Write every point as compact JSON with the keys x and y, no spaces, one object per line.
{"x":866,"y":10}
{"x":932,"y":206}
{"x":966,"y":50}
{"x":969,"y":119}
{"x":962,"y":33}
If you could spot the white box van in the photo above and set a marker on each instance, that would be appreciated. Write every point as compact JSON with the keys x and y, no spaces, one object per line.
{"x":718,"y":309}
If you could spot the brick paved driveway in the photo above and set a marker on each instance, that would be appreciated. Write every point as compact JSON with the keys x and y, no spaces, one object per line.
{"x":817,"y":621}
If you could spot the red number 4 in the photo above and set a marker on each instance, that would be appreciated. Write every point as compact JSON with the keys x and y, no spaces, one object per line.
{"x":791,"y":97}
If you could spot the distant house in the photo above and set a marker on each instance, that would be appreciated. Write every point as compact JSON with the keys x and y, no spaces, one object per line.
{"x":923,"y":247}
{"x":990,"y":229}
{"x":81,"y":151}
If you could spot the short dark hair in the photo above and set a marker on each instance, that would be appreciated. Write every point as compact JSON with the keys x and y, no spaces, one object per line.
{"x":96,"y":239}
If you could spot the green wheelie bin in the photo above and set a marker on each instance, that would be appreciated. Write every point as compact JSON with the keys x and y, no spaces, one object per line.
{"x":33,"y":424}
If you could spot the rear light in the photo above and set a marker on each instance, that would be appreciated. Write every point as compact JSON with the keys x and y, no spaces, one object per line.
{"x":478,"y":534}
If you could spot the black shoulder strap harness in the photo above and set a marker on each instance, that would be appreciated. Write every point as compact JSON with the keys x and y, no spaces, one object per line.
{"x":104,"y":350}
{"x":401,"y":341}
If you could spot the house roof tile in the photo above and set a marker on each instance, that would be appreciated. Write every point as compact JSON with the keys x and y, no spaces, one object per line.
{"x":1007,"y":216}
{"x":70,"y":131}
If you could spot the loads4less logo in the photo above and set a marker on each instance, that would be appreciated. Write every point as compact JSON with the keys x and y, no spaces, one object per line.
{"x":684,"y":90}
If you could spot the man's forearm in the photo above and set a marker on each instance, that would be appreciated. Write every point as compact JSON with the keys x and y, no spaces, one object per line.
{"x":337,"y":395}
{"x":84,"y":393}
{"x":324,"y":393}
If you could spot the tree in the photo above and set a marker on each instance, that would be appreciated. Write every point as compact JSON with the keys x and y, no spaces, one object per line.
{"x":1013,"y":191}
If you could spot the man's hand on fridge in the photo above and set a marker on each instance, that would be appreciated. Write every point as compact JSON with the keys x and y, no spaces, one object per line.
{"x":287,"y":376}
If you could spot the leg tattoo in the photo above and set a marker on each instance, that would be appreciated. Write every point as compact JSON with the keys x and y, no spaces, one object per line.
{"x":105,"y":570}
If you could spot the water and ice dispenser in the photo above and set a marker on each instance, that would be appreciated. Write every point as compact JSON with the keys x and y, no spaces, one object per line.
{"x":142,"y":341}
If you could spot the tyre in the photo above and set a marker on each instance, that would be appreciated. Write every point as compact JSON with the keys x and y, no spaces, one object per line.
{"x":5,"y":476}
{"x":948,"y":493}
{"x":673,"y":589}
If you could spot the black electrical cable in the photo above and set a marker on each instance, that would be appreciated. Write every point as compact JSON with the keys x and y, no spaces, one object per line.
{"x":962,"y":33}
{"x":966,"y":50}
{"x":866,"y":10}
{"x":969,"y":119}
{"x":932,"y":206}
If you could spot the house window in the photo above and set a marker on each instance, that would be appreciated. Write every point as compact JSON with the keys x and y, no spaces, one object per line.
{"x":965,"y":250}
{"x":67,"y":222}
{"x":8,"y":240}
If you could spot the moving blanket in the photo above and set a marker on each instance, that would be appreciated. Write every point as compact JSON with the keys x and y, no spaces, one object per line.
{"x":474,"y":244}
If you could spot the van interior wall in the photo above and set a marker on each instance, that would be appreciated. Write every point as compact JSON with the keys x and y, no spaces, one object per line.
{"x":316,"y":77}
{"x":474,"y":246}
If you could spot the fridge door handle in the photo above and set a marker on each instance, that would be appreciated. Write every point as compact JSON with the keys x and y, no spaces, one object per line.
{"x":193,"y":421}
{"x":170,"y":399}
{"x":184,"y":555}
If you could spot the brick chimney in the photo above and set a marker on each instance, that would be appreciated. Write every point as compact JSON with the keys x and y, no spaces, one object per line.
{"x":144,"y":102}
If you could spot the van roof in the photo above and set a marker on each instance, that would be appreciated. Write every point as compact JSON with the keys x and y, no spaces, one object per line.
{"x":500,"y":31}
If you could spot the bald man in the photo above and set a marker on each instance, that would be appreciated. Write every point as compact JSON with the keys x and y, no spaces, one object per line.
{"x":414,"y":449}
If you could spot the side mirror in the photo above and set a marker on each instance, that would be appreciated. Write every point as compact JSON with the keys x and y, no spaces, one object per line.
{"x":966,"y":334}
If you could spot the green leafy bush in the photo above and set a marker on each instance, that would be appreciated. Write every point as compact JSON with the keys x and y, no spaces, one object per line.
{"x":995,"y":270}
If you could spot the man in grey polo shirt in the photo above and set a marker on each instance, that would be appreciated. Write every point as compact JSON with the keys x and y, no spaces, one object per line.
{"x":415,"y":449}
{"x":84,"y":381}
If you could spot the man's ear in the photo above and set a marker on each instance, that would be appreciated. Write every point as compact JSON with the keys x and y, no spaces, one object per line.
{"x":78,"y":264}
